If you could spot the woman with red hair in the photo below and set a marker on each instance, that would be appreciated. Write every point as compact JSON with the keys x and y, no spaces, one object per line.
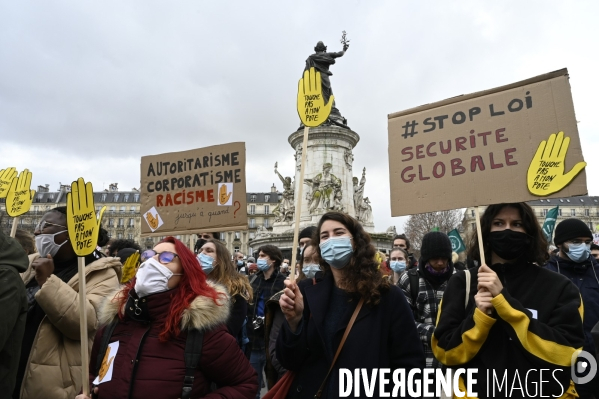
{"x":151,"y":318}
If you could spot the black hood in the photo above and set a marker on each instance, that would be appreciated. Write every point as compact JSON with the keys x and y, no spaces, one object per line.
{"x":12,"y":254}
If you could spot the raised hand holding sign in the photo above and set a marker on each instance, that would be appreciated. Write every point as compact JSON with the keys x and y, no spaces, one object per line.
{"x":83,"y":225}
{"x":6,"y":177}
{"x":546,"y":171}
{"x":310,"y":103}
{"x":20,"y":196}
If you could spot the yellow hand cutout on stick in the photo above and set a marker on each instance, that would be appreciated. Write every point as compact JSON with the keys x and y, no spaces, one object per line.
{"x":310,"y":104}
{"x":20,"y":197}
{"x":130,"y":267}
{"x":6,"y":177}
{"x":83,"y":225}
{"x":546,"y":171}
{"x":223,"y":196}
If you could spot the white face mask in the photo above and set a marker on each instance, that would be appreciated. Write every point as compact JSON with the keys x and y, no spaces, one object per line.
{"x":152,"y":277}
{"x":46,"y":246}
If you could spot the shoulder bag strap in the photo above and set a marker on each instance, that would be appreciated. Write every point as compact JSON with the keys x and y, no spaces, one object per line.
{"x":414,"y":284}
{"x":467,"y":287}
{"x":193,"y":352}
{"x":104,"y":343}
{"x":345,"y":334}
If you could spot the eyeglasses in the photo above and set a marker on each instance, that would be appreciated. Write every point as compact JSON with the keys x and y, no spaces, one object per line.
{"x":42,"y":225}
{"x":163,"y":257}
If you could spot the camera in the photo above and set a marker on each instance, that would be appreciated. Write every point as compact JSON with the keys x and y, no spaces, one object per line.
{"x":258,"y":322}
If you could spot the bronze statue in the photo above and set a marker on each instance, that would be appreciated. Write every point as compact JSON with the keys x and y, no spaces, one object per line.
{"x":321,"y":60}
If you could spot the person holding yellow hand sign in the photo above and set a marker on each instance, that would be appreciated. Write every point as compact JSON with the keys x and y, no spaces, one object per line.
{"x":50,"y":360}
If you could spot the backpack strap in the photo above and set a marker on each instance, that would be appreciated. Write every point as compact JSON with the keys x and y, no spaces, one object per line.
{"x":193,"y":352}
{"x":104,"y":343}
{"x":414,"y":284}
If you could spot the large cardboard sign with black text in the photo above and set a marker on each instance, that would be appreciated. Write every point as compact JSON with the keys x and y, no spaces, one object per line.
{"x":510,"y":144}
{"x":192,"y":191}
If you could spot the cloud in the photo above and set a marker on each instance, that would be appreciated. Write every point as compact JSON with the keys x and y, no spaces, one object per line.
{"x":88,"y":88}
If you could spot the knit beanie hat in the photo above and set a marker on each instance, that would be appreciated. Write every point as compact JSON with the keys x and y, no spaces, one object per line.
{"x":571,"y":228}
{"x":435,"y":245}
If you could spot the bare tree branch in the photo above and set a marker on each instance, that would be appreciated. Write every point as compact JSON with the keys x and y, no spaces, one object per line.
{"x":418,"y":225}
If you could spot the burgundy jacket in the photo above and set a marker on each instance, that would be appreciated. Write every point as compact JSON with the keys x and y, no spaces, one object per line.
{"x":144,"y":367}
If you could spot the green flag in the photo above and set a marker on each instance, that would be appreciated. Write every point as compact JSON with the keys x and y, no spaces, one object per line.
{"x":457,"y":245}
{"x":549,"y":224}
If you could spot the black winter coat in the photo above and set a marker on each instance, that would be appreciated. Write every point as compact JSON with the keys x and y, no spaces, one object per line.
{"x":383,"y":336}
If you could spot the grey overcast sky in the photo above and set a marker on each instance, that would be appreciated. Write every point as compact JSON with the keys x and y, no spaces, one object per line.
{"x":87,"y":88}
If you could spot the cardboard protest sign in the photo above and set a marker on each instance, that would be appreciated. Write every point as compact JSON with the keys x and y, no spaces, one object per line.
{"x":20,"y":196}
{"x":508,"y":144}
{"x":83,"y":225}
{"x":192,"y":191}
{"x":310,"y":103}
{"x":6,"y":177}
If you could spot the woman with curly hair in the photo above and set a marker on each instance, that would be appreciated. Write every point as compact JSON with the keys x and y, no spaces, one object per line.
{"x":317,"y":314}
{"x":215,"y":260}
{"x":143,"y":350}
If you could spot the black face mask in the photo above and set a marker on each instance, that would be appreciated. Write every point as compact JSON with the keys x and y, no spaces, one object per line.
{"x":509,"y":244}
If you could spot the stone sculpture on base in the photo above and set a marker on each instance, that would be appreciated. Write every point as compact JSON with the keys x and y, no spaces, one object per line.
{"x":285,"y":210}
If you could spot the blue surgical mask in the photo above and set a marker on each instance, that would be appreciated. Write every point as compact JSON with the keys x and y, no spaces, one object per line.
{"x":310,"y":269}
{"x":337,"y":251}
{"x":239,"y":263}
{"x":579,"y":252}
{"x":206,"y":261}
{"x":398,"y":266}
{"x":262,"y":265}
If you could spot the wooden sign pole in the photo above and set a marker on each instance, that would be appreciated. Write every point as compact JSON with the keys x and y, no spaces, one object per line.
{"x":83,"y":327}
{"x":479,"y":235}
{"x":13,"y":230}
{"x":298,"y":204}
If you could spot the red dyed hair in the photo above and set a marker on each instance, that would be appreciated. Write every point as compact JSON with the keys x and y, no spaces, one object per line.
{"x":192,"y":284}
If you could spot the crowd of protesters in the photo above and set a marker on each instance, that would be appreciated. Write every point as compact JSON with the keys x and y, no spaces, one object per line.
{"x":205,"y":323}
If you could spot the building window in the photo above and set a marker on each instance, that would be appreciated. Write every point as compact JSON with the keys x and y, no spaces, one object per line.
{"x":559,"y":211}
{"x":544,"y":212}
{"x":125,"y":197}
{"x":473,"y":226}
{"x":590,"y":224}
{"x":253,"y":198}
{"x":135,"y":197}
{"x":237,"y":235}
{"x":236,"y":249}
{"x":472,"y":212}
{"x":121,"y":222}
{"x":266,"y":223}
{"x":252,"y":209}
{"x":123,"y":209}
{"x":266,"y":209}
{"x":266,"y":197}
{"x":111,"y":222}
{"x":115,"y":198}
{"x":98,"y":208}
{"x":131,"y":222}
{"x":129,"y":236}
{"x":252,"y":235}
{"x":113,"y":209}
{"x":587,"y":212}
{"x":40,"y":197}
{"x":573,"y":212}
{"x":252,"y":223}
{"x":132,"y":209}
{"x":119,"y":236}
{"x":103,"y":199}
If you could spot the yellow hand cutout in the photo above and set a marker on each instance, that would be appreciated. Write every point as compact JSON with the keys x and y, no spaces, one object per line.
{"x":83,"y":225}
{"x":546,"y":171}
{"x":223,"y":196}
{"x":152,"y":221}
{"x":20,"y":197}
{"x":310,"y":104}
{"x":105,"y":364}
{"x":130,"y":267}
{"x":6,"y":177}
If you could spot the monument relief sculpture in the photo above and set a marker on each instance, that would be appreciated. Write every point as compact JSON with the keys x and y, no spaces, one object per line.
{"x":359,"y":192}
{"x":285,"y":210}
{"x":323,"y":190}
